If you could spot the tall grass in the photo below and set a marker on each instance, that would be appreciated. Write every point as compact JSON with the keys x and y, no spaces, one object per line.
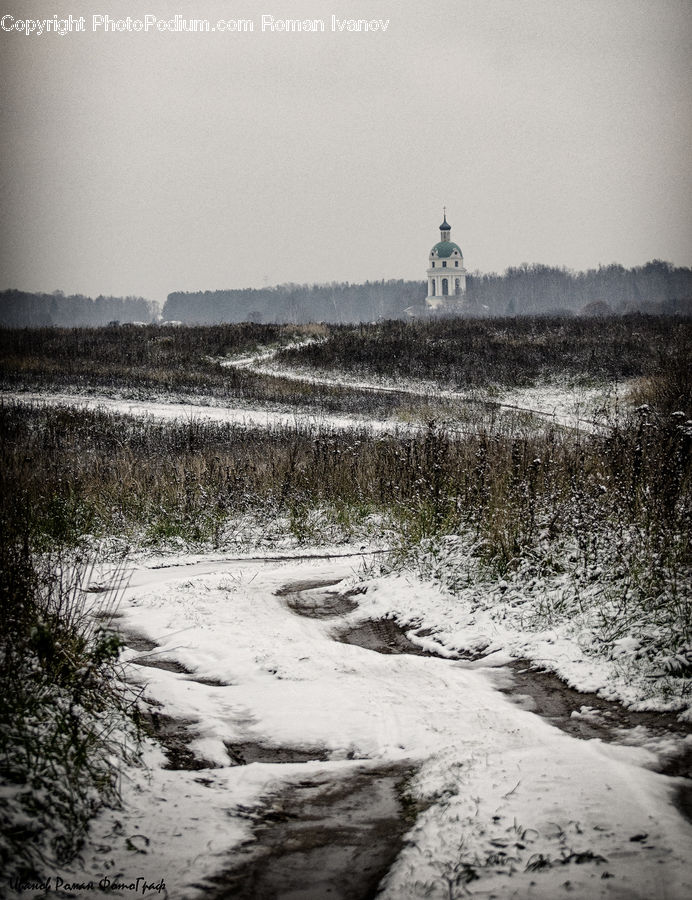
{"x":69,"y":473}
{"x":511,"y":352}
{"x":66,"y":718}
{"x":610,"y":510}
{"x":154,"y":362}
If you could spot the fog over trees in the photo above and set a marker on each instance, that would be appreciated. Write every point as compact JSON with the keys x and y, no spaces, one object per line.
{"x":20,"y":309}
{"x":526,"y":290}
{"x":656,"y":287}
{"x":335,"y":302}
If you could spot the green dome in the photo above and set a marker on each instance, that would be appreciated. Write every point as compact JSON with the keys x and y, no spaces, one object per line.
{"x":444,"y":249}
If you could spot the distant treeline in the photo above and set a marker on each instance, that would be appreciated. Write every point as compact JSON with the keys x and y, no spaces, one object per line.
{"x":296,"y":303}
{"x":657,"y":287}
{"x":20,"y":309}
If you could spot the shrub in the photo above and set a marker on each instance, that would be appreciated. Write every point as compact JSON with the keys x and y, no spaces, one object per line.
{"x":66,"y":717}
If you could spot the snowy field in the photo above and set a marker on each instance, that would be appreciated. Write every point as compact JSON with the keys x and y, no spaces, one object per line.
{"x":514,"y":806}
{"x":573,"y":406}
{"x":243,"y":659}
{"x":188,"y":412}
{"x":578,"y":408}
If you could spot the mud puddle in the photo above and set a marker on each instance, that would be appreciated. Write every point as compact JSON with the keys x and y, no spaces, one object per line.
{"x":582,"y":715}
{"x":382,"y":636}
{"x":137,"y":642}
{"x":309,"y":598}
{"x":242,"y":753}
{"x":175,"y":736}
{"x":168,"y":665}
{"x":152,"y":661}
{"x":322,"y":839}
{"x":313,"y":600}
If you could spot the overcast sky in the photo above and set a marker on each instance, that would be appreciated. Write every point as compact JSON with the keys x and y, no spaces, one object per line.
{"x":147,"y":162}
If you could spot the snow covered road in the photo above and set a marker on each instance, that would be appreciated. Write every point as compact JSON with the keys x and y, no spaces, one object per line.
{"x":511,"y":806}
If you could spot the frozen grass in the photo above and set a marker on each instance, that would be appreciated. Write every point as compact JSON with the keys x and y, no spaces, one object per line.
{"x":463,"y":353}
{"x":455,"y":354}
{"x":586,"y":534}
{"x":66,"y":722}
{"x":165,"y":363}
{"x":616,"y":621}
{"x":69,"y":473}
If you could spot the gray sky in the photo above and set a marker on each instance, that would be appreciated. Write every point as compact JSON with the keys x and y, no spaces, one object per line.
{"x":142,"y":163}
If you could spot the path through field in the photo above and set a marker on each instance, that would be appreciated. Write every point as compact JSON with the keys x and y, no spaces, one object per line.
{"x":309,"y":752}
{"x":573,"y":408}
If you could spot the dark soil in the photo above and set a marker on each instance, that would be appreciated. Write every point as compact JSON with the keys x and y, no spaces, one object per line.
{"x":210,"y":682}
{"x":245,"y":752}
{"x":137,"y":642}
{"x":168,"y":665}
{"x":175,"y":735}
{"x":317,"y":605}
{"x":382,"y":636}
{"x":549,"y":697}
{"x":322,"y":840}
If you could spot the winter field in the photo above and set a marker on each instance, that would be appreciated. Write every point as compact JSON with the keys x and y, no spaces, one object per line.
{"x":399,"y":610}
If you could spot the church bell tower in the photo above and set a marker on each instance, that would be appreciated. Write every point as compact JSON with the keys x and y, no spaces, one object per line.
{"x":446,"y":272}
